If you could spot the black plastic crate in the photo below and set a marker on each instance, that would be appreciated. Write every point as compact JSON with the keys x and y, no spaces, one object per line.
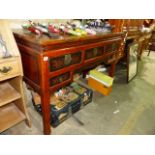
{"x":75,"y":105}
{"x":85,"y":93}
{"x":66,"y":104}
{"x":73,"y":100}
{"x":59,"y":112}
{"x":38,"y":108}
{"x":57,"y":116}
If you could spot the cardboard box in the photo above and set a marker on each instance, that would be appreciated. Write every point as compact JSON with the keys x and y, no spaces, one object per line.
{"x":101,"y":77}
{"x":98,"y":86}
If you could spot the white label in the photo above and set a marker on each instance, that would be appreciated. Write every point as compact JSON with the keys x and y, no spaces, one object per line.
{"x":45,"y":58}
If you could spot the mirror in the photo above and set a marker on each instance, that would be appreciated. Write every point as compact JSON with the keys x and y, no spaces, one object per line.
{"x":132,"y":64}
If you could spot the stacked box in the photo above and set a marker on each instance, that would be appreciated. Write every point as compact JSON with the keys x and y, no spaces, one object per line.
{"x":98,"y":86}
{"x":86,"y":94}
{"x":67,"y":103}
{"x":100,"y":82}
{"x":59,"y":110}
{"x":38,"y":108}
{"x":73,"y":100}
{"x":59,"y":113}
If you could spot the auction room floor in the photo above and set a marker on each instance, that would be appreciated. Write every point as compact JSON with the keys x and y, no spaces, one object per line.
{"x":129,"y":109}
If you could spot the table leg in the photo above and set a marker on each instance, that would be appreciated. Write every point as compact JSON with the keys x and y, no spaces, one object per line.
{"x":140,"y":51}
{"x":45,"y":100}
{"x":112,"y":69}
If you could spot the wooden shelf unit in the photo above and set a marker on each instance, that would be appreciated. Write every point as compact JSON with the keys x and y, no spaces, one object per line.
{"x":12,"y":98}
{"x":10,"y":115}
{"x":8,"y":93}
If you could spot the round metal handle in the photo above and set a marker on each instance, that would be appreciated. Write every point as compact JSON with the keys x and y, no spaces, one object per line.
{"x":5,"y":70}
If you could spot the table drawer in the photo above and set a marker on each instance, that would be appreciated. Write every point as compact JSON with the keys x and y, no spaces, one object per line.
{"x":112,"y":47}
{"x":94,"y":52}
{"x":60,"y":78}
{"x":9,"y":68}
{"x":62,"y":61}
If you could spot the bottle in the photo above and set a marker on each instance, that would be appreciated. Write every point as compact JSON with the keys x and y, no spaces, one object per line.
{"x":90,"y":31}
{"x":52,"y":29}
{"x":34,"y":30}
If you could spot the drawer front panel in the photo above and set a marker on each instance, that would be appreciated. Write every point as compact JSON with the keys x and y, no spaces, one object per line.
{"x":112,"y":47}
{"x":9,"y":68}
{"x":64,"y":61}
{"x":94,"y":52}
{"x":59,"y":79}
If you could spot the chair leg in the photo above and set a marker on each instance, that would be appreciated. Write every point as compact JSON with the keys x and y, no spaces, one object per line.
{"x":149,"y":53}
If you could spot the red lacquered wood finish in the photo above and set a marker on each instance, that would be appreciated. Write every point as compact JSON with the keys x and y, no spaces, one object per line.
{"x":50,"y":64}
{"x":132,"y":27}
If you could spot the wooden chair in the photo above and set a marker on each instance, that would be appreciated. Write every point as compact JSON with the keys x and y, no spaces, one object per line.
{"x":151,"y":44}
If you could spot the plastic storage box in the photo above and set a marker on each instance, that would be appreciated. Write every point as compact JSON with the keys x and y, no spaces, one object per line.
{"x":86,"y":94}
{"x":59,"y":113}
{"x":73,"y":100}
{"x":98,"y":86}
{"x":59,"y":109}
{"x":68,"y":101}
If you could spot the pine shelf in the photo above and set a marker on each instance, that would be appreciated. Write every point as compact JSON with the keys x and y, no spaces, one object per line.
{"x":8,"y":93}
{"x":10,"y":115}
{"x":12,"y":97}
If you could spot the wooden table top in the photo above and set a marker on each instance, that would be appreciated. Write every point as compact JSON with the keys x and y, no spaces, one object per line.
{"x":43,"y":43}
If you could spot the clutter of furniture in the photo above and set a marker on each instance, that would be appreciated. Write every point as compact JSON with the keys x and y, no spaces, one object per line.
{"x":53,"y":53}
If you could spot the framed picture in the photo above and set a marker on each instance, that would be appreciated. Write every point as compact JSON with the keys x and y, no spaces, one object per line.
{"x":3,"y":49}
{"x":132,"y":61}
{"x":8,"y":45}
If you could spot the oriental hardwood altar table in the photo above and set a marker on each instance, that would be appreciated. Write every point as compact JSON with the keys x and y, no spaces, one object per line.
{"x":49,"y":63}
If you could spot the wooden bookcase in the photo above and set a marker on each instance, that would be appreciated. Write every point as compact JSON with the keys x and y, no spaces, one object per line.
{"x":12,"y":99}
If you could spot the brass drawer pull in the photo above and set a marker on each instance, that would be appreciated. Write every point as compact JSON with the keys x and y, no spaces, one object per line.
{"x":95,"y":50}
{"x":5,"y":70}
{"x":68,"y":59}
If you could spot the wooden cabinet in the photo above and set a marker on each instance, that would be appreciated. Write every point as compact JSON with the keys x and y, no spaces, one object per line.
{"x":10,"y":67}
{"x":12,"y":99}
